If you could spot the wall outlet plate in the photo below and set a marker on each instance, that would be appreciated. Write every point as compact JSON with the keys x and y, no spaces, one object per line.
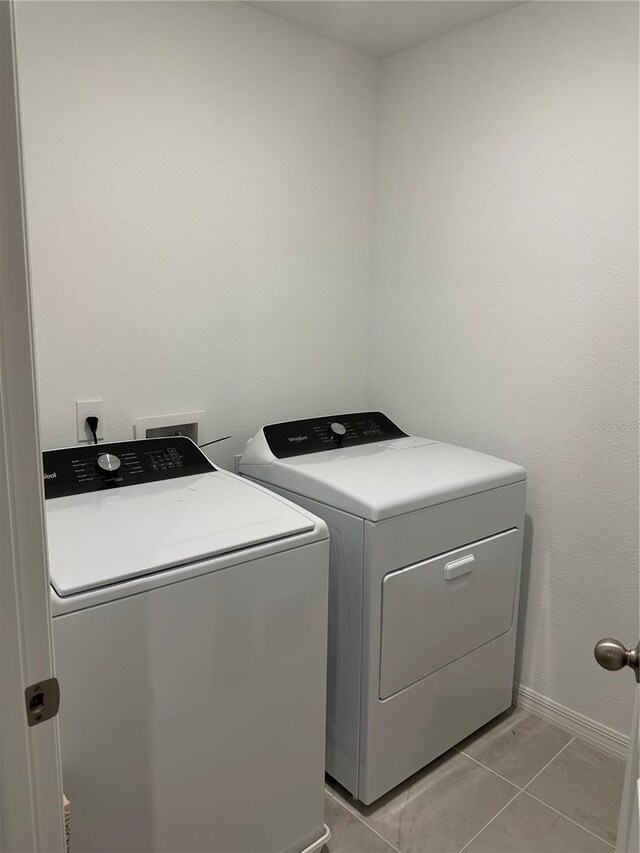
{"x":181,"y":423}
{"x":84,"y":408}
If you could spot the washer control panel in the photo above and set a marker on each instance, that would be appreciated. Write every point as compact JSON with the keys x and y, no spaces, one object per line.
{"x":90,"y":468}
{"x":296,"y":438}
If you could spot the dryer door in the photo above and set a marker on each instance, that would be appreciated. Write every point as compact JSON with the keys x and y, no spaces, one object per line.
{"x":436,"y":611}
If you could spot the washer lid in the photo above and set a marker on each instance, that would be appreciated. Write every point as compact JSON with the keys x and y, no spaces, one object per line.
{"x":105,"y":537}
{"x":383,"y":479}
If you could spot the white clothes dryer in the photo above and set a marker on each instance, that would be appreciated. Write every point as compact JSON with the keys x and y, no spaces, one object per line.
{"x":425,"y":545}
{"x":189,"y":624}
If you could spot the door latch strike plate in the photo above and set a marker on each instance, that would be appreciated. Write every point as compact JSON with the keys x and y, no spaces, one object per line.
{"x":42,"y":700}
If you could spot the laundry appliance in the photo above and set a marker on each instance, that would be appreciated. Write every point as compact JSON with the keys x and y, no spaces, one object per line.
{"x":425,"y":545}
{"x":189,"y":625}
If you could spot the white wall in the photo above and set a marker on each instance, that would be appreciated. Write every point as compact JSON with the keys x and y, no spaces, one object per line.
{"x":200,"y":181}
{"x":505,"y":309}
{"x":200,"y":196}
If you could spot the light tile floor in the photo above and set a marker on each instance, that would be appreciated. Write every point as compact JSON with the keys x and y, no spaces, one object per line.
{"x":518,"y":785}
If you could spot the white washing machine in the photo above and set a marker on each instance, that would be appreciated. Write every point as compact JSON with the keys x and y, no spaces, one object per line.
{"x":426,"y":543}
{"x":189,"y":623}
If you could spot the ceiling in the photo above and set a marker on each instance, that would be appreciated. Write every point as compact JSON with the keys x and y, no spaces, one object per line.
{"x":382,"y":27}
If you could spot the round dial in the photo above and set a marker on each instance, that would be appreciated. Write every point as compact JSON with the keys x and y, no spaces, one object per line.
{"x":109,"y":463}
{"x":337,"y":431}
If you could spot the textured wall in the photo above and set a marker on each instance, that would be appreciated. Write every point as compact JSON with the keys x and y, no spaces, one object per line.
{"x":200,"y":197}
{"x":200,"y":182}
{"x":505,"y":302}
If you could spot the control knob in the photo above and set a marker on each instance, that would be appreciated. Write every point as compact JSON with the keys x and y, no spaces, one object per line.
{"x":108,"y":463}
{"x":337,"y":432}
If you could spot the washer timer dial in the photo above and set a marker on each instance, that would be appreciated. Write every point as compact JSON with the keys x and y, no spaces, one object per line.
{"x":108,"y":463}
{"x":337,"y":431}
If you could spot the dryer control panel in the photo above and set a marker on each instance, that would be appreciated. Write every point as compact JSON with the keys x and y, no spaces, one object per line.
{"x":74,"y":470}
{"x":295,"y":438}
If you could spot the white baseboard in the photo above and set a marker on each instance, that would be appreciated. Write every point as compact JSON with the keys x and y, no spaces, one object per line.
{"x":596,"y":734}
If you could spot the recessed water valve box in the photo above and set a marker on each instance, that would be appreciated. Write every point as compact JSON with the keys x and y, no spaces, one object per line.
{"x":159,"y":426}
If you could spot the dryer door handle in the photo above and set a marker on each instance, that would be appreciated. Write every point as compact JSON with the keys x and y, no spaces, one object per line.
{"x":459,"y":567}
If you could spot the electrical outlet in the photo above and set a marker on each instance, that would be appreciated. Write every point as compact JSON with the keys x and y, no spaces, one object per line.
{"x":84,"y":408}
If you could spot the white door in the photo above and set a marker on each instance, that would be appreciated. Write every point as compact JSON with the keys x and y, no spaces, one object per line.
{"x":628,"y":832}
{"x":31,"y":814}
{"x":611,"y":654}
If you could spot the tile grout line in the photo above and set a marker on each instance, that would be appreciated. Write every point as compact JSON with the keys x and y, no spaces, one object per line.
{"x":345,"y":805}
{"x":523,"y":790}
{"x":557,"y":811}
{"x":495,"y":773}
{"x":520,"y":791}
{"x":497,"y":814}
{"x":515,"y":784}
{"x":359,"y":817}
{"x":559,"y":752}
{"x":570,"y":819}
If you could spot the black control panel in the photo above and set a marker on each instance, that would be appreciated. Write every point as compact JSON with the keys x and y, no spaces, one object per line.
{"x":124,"y":463}
{"x":296,"y":438}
